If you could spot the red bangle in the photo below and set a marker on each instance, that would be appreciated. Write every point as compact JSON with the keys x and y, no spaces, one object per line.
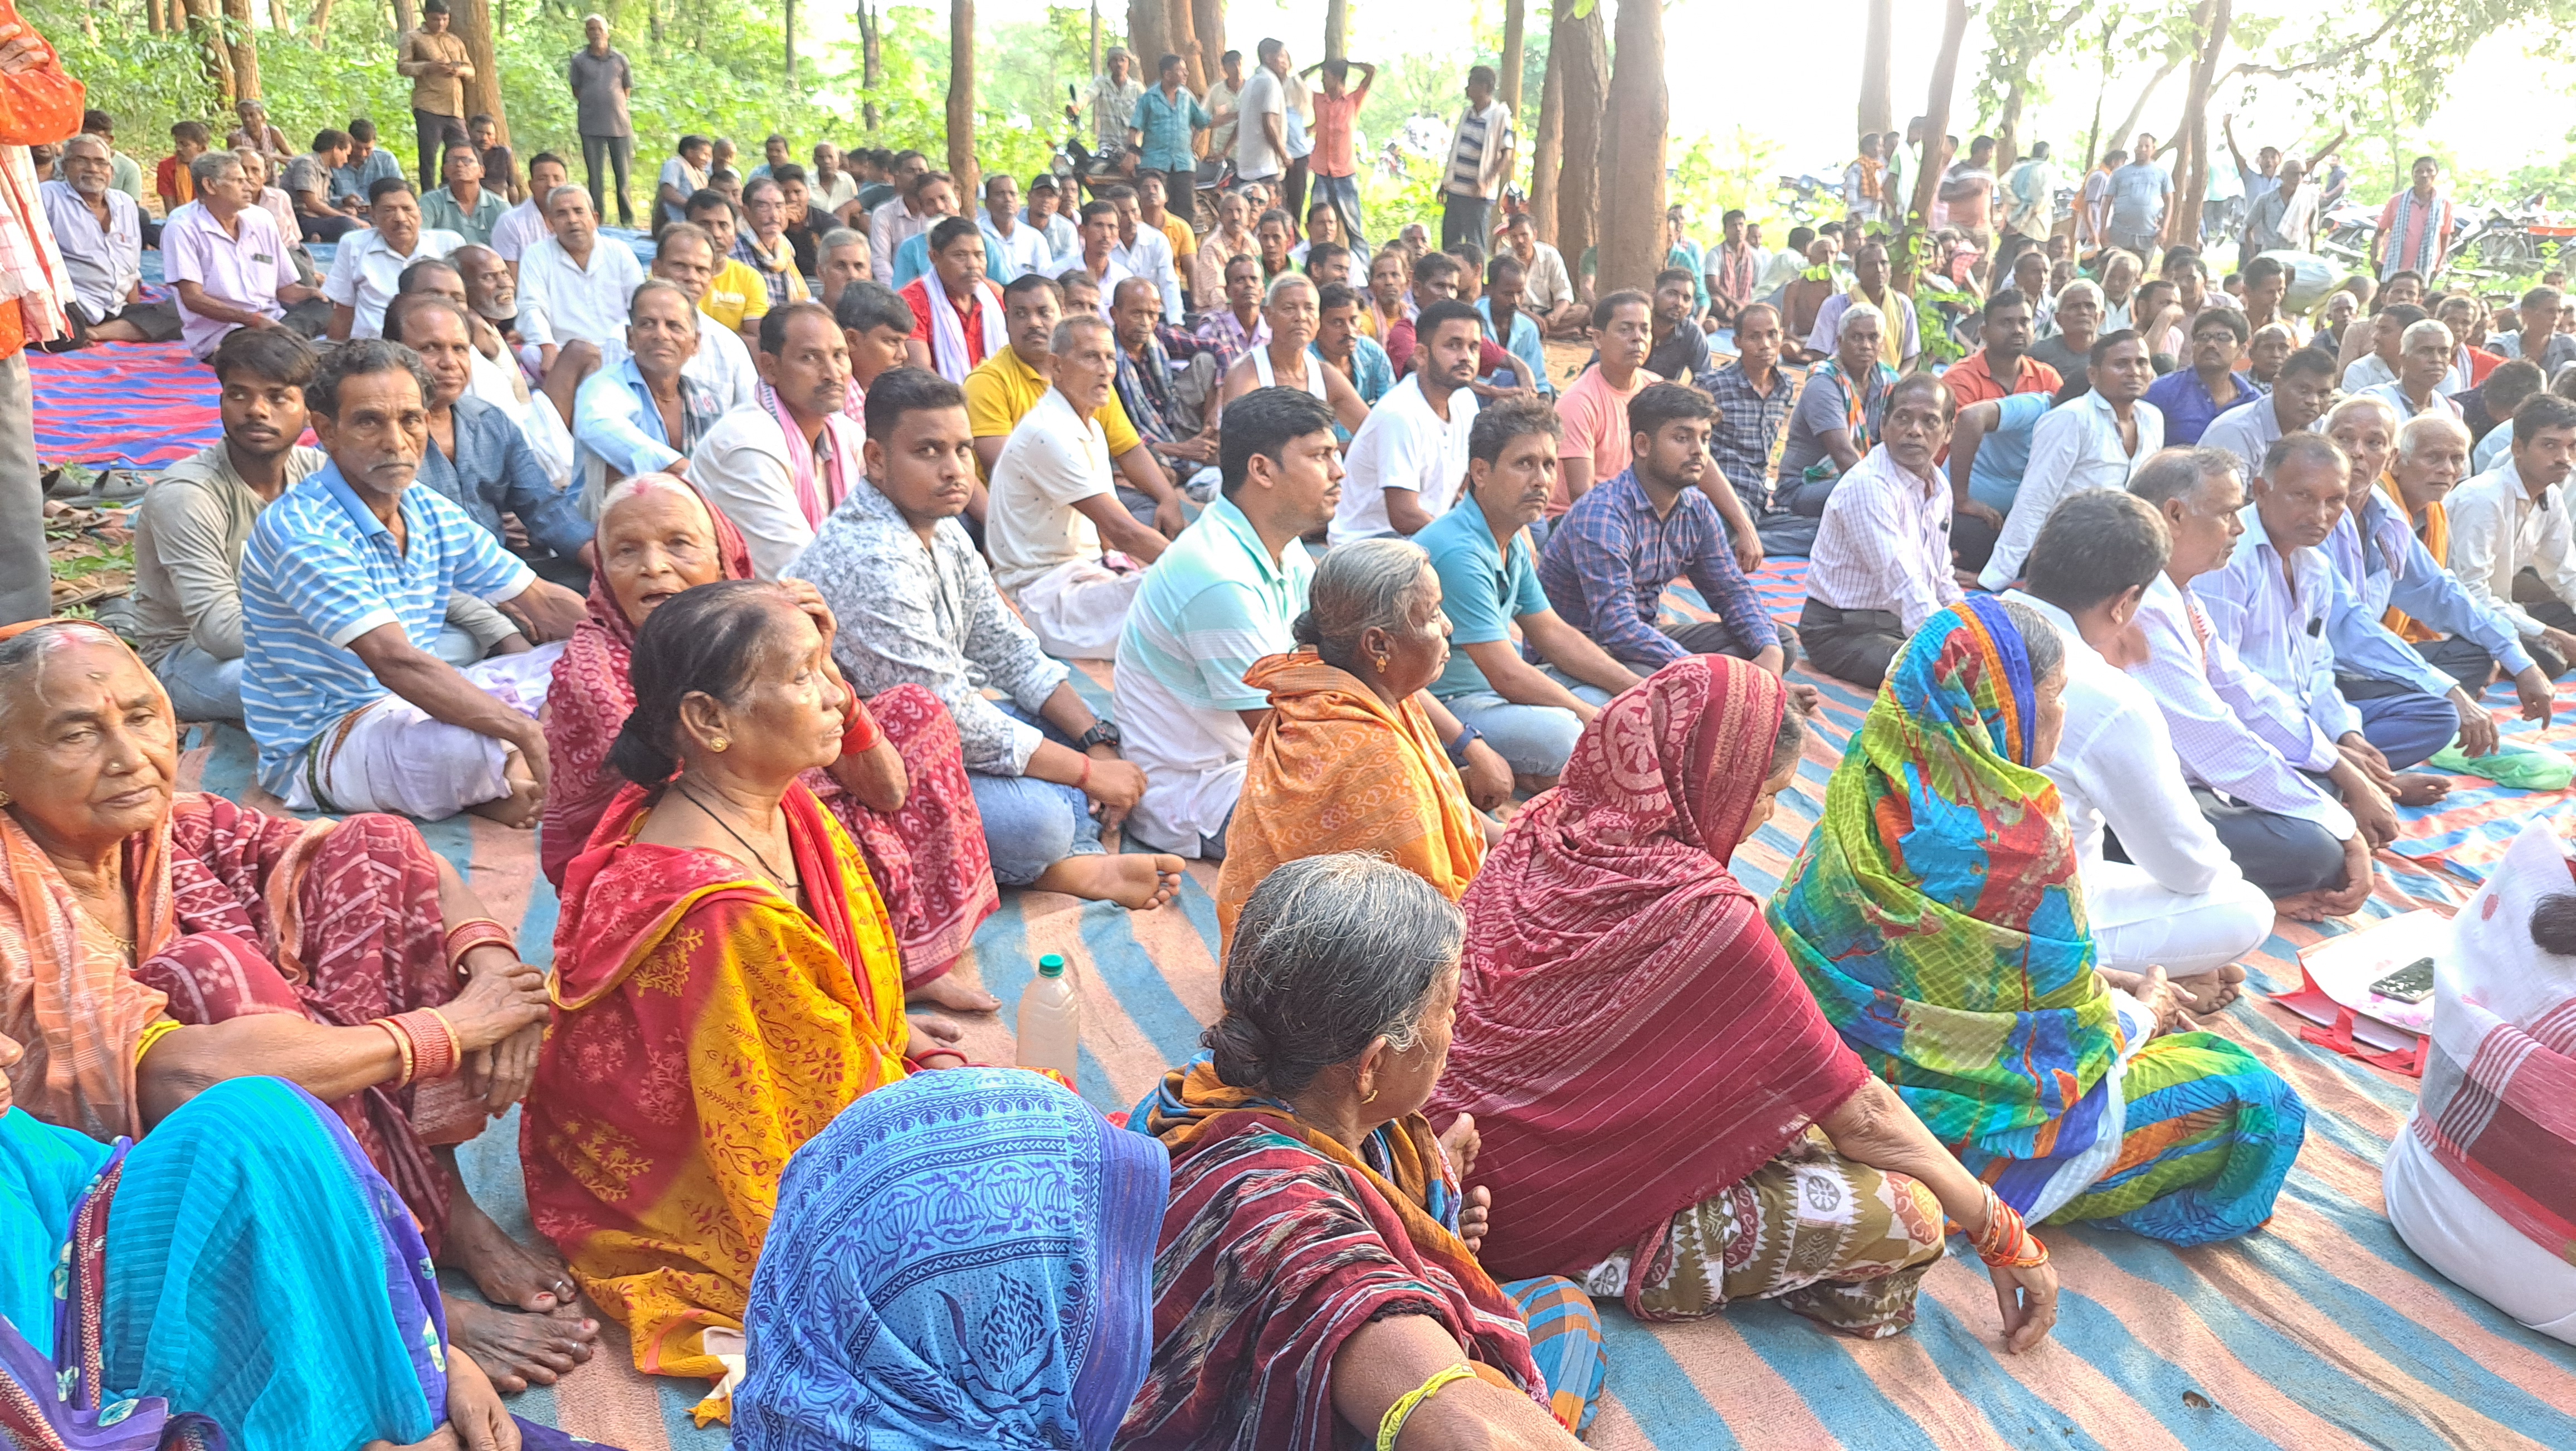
{"x":472,"y":933}
{"x":2007,"y":1242}
{"x":434,"y":1048}
{"x":863,"y":732}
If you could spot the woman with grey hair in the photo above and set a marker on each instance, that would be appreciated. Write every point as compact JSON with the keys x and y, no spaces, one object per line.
{"x":1317,"y":1279}
{"x":1354,"y":756}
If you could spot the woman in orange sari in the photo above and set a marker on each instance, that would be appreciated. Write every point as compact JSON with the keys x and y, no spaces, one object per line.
{"x":1352,"y":756}
{"x":905,"y":798}
{"x":728,"y":980}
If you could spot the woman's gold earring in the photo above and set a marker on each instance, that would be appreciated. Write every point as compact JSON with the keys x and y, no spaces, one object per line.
{"x":5,"y":797}
{"x":719,"y":744}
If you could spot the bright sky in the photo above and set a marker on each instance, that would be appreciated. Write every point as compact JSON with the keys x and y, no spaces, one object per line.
{"x":2505,"y":109}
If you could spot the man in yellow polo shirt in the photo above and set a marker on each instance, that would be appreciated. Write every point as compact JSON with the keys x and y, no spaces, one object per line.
{"x":1004,"y":387}
{"x":735,"y":296}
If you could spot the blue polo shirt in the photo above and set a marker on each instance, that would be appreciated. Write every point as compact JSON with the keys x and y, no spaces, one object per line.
{"x":2004,"y":453}
{"x":320,"y":570}
{"x":2185,"y":402}
{"x":1164,"y":130}
{"x":1481,"y":590}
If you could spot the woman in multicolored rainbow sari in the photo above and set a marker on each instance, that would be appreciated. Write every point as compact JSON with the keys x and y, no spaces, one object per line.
{"x":1316,"y":1285}
{"x":961,"y":1259}
{"x":2482,"y":1180}
{"x":727,"y":980}
{"x":899,"y":788}
{"x":138,"y":1281}
{"x":1936,"y":916}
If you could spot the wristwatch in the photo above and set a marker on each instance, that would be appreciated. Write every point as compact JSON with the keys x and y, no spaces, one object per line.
{"x":1102,"y":733}
{"x":1467,"y":736}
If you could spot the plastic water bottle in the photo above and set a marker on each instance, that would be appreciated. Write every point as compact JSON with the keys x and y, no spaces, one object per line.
{"x":1050,"y":1020}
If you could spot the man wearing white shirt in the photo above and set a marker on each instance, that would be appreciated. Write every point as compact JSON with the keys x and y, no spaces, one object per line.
{"x":2423,"y":364}
{"x":524,"y":225}
{"x":721,"y":362}
{"x":2177,"y":901}
{"x":902,"y":219}
{"x":367,"y":268}
{"x":2512,"y":518}
{"x":2281,"y":797}
{"x":1881,"y":563}
{"x":100,"y":232}
{"x":581,"y":280}
{"x":1144,"y":251}
{"x":2279,"y":602}
{"x":2093,"y":442}
{"x":781,"y":462}
{"x":1012,"y":248}
{"x":1408,"y":460}
{"x":2387,"y":344}
{"x":1098,"y":258}
{"x":1054,"y":506}
{"x":1261,"y":135}
{"x":827,"y":185}
{"x":2297,"y":400}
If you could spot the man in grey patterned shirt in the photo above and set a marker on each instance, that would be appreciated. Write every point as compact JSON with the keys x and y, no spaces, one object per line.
{"x":916,"y":603}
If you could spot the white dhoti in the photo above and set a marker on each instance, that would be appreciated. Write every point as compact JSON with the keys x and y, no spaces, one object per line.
{"x":2138,"y":923}
{"x":1077,"y":608}
{"x":393,"y":756}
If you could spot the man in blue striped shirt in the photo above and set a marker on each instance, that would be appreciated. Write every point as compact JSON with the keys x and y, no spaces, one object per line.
{"x":345,"y":586}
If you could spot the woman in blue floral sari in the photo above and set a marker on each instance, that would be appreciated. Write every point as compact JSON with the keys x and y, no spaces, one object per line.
{"x":241,"y":1278}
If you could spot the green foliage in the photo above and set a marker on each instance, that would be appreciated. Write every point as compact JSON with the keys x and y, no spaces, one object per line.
{"x":1708,"y":176}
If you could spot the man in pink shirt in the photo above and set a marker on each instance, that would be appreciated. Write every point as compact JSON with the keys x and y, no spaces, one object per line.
{"x":229,"y":264}
{"x":1334,"y":166}
{"x":1594,"y":446}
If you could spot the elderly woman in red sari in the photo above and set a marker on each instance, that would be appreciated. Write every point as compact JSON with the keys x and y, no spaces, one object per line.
{"x":1317,"y":1284}
{"x":899,"y":786}
{"x":1620,"y":981}
{"x":154,"y":942}
{"x":727,"y":979}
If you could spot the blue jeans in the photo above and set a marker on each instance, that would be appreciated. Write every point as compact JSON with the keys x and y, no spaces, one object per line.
{"x":1344,"y":193}
{"x":1029,"y":824}
{"x":201,"y":687}
{"x":1536,"y":739}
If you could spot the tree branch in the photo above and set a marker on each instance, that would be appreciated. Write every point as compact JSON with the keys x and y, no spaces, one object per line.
{"x":2334,"y":57}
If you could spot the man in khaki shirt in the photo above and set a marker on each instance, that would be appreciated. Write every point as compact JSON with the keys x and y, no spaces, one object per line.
{"x":435,"y":59}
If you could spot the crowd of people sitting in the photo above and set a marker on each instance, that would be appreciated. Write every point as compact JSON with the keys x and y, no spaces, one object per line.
{"x":756,"y":580}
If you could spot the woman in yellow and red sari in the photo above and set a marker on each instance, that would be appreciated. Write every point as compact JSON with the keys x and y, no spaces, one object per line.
{"x":728,"y":981}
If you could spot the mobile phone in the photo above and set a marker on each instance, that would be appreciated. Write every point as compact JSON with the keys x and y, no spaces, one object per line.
{"x":2412,"y":983}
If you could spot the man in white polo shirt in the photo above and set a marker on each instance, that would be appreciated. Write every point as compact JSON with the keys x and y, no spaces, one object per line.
{"x":231,"y":268}
{"x":581,"y":279}
{"x":1054,"y":505}
{"x":367,"y":268}
{"x":1408,"y":460}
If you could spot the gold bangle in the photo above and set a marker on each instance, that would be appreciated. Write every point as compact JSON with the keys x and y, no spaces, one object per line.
{"x":402,"y":1046}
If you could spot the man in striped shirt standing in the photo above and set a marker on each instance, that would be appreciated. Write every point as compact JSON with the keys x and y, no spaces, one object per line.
{"x":345,"y":588}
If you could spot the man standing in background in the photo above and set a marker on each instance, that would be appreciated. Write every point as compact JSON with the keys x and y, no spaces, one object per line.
{"x":434,"y":57}
{"x":601,"y":81}
{"x":2030,"y":196}
{"x":1480,"y":161}
{"x":39,"y":105}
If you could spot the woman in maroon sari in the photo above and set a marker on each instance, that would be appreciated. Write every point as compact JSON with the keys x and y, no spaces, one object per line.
{"x":899,"y":789}
{"x":1661,"y":1102}
{"x":154,"y":942}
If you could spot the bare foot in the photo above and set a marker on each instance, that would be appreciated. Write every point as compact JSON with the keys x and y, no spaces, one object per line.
{"x":506,"y":1271}
{"x":2208,"y":992}
{"x":518,"y":810}
{"x":1136,"y":881}
{"x":520,"y":1349}
{"x":2414,"y":788}
{"x":1462,"y":1142}
{"x":945,"y":991}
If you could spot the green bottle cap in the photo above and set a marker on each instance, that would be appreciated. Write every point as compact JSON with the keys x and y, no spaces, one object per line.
{"x":1051,"y":965}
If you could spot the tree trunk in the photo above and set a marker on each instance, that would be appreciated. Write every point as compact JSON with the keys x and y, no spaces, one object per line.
{"x":1632,"y":142}
{"x":871,"y":62}
{"x":1551,"y":146}
{"x":1585,"y":42}
{"x":1207,"y":23}
{"x":1149,"y":35}
{"x":472,"y":23}
{"x":406,"y":17}
{"x":787,"y":13}
{"x":1095,"y":37}
{"x":319,"y":31}
{"x":152,"y":16}
{"x":1515,"y":45}
{"x":207,"y":24}
{"x":1877,"y":68}
{"x":241,"y":40}
{"x":1337,"y":25}
{"x":2191,"y":185}
{"x":961,"y":96}
{"x":1936,"y":110}
{"x":279,"y":19}
{"x":2008,"y":131}
{"x":1185,"y":44}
